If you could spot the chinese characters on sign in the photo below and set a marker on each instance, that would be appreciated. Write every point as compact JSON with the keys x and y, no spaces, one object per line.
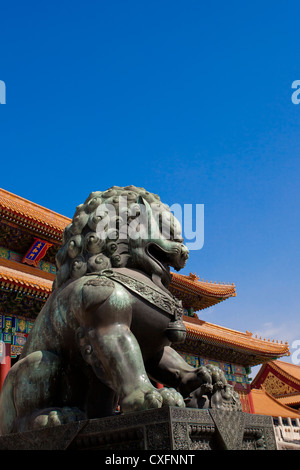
{"x":36,"y":252}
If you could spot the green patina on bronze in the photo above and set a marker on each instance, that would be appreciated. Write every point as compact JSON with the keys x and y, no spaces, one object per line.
{"x":106,"y":332}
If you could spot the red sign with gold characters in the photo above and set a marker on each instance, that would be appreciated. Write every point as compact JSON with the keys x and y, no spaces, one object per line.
{"x":36,"y":252}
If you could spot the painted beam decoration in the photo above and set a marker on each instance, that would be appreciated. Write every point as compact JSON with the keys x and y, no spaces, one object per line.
{"x":14,"y":331}
{"x":36,"y":252}
{"x":6,"y":328}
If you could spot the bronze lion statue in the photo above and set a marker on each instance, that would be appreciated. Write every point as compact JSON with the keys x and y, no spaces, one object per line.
{"x":104,"y":336}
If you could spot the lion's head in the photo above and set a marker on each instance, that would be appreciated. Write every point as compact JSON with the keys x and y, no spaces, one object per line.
{"x":121,"y":227}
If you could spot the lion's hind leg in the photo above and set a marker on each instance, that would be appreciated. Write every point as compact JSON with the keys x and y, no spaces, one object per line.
{"x":30,"y":389}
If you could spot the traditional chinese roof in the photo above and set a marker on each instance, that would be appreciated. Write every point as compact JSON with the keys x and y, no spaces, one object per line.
{"x":279,"y":378}
{"x":22,"y":212}
{"x":265,"y":404}
{"x":243,"y":348}
{"x":289,"y":370}
{"x":199,"y":294}
{"x":292,"y":400}
{"x":24,"y":278}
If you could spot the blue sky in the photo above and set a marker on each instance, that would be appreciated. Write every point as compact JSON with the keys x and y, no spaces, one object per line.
{"x":191,"y":100}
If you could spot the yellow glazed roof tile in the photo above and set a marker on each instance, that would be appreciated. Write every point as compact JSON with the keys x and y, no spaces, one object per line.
{"x":199,"y":329}
{"x":265,"y":404}
{"x":18,"y":206}
{"x":13,"y":273}
{"x":290,"y":400}
{"x":290,"y":372}
{"x":288,"y":369}
{"x":193,"y":284}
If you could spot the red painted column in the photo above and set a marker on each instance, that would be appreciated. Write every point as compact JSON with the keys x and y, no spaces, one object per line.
{"x":252,"y":410}
{"x":5,"y":364}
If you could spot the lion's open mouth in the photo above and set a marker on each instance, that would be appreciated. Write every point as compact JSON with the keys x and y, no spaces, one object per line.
{"x":160,"y":256}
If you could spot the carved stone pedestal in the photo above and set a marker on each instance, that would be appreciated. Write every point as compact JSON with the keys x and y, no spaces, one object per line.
{"x":164,"y":429}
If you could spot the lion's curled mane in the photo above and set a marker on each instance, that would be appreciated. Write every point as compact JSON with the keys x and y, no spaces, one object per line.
{"x":84,"y":250}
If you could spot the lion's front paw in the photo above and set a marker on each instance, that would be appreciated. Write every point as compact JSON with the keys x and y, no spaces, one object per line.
{"x":171,"y":397}
{"x":142,"y":400}
{"x":57,"y":416}
{"x":153,"y":399}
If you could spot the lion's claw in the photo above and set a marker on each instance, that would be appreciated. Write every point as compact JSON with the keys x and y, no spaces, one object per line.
{"x":140,"y":400}
{"x":57,"y":416}
{"x":171,"y":397}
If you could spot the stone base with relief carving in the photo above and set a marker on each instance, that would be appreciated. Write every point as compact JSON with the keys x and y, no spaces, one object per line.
{"x":163,"y":429}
